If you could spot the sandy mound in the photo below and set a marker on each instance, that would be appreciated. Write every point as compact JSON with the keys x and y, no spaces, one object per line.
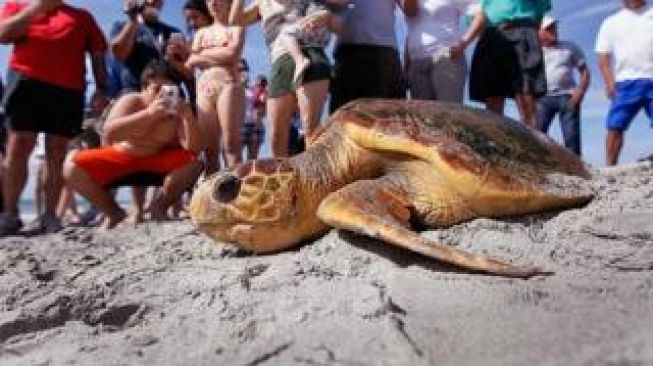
{"x":163,"y":295}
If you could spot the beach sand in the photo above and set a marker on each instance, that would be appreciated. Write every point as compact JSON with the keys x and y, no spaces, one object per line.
{"x":161,"y":294}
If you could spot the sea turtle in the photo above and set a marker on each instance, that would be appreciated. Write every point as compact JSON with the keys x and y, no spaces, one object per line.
{"x":378,"y":166}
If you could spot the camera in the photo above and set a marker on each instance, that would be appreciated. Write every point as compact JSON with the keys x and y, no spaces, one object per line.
{"x":170,"y":94}
{"x":135,"y":7}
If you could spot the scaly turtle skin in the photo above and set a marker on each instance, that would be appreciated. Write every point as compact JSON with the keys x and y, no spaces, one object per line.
{"x":379,"y":165}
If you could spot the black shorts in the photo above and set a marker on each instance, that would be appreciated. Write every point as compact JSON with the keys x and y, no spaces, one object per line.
{"x":364,"y":71}
{"x":507,"y":62}
{"x":36,"y":106}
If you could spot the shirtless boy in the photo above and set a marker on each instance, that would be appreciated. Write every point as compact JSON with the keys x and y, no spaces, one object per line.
{"x":144,"y":132}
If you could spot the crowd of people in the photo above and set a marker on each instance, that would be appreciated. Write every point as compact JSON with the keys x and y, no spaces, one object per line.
{"x":178,"y":106}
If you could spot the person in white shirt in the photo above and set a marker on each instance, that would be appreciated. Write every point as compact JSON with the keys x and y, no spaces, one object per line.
{"x":435,"y":64}
{"x":625,"y":48}
{"x":564,"y":95}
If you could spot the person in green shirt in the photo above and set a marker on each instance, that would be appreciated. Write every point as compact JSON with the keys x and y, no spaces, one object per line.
{"x":508,"y":60}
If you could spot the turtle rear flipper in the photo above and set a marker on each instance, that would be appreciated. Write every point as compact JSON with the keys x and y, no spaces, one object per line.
{"x":377,"y":209}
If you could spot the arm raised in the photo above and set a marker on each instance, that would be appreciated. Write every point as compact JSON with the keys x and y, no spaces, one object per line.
{"x":189,"y":132}
{"x":244,"y":17}
{"x":128,"y":115}
{"x":14,"y":27}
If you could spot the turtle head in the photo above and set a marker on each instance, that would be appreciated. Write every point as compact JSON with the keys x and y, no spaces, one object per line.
{"x":253,"y":205}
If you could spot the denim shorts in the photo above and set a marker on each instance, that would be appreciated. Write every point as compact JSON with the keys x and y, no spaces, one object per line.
{"x":631,"y":96}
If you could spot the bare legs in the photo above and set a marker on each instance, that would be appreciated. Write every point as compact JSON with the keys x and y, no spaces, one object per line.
{"x":525,"y":103}
{"x":280,"y":111}
{"x":174,"y":185}
{"x":231,"y":112}
{"x":137,"y":210}
{"x":220,"y":118}
{"x":310,"y":100}
{"x":207,"y":118}
{"x":67,"y":205}
{"x":613,"y":144}
{"x":19,"y":148}
{"x":55,"y":154}
{"x":99,"y":197}
{"x":39,"y":187}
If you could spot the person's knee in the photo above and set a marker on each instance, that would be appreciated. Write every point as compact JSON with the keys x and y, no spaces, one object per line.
{"x":186,"y":175}
{"x":190,"y":167}
{"x":615,"y":134}
{"x":56,"y":157}
{"x":56,"y":149}
{"x":70,"y":172}
{"x":233,"y":94}
{"x":194,"y":166}
{"x":20,"y":146}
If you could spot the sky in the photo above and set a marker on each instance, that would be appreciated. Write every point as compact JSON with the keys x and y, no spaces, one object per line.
{"x":579,"y":22}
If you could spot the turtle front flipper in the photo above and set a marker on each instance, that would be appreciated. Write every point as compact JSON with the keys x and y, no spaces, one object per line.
{"x":380,"y":210}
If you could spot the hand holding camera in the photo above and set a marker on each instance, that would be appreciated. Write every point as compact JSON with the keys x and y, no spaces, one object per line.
{"x":158,"y":109}
{"x":170,"y":96}
{"x":133,"y":7}
{"x":166,"y":104}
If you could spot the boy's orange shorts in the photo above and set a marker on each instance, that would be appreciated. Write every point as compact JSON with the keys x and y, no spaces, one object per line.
{"x":107,"y":164}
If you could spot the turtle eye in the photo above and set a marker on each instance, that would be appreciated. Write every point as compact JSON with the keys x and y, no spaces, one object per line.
{"x":227,"y":189}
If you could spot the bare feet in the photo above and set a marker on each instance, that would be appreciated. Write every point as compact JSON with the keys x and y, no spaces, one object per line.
{"x":300,"y":68}
{"x":112,"y":221}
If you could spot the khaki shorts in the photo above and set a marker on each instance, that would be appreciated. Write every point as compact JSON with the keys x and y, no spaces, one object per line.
{"x":283,"y":68}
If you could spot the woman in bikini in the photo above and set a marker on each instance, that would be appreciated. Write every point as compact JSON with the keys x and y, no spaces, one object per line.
{"x":216,"y":51}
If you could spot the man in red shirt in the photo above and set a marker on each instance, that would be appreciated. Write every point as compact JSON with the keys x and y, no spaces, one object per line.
{"x":45,"y":94}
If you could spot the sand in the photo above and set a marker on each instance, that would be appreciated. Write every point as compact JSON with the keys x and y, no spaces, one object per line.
{"x":161,"y":294}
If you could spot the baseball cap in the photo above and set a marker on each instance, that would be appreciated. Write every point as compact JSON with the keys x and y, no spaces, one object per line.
{"x":548,"y":21}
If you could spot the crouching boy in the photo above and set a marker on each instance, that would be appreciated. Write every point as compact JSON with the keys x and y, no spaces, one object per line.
{"x":145,"y":132}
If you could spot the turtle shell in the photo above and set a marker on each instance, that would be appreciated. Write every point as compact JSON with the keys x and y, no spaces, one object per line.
{"x":496,"y":152}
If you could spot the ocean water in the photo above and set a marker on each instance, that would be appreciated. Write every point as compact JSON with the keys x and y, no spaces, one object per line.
{"x":27,"y":209}
{"x":27,"y":206}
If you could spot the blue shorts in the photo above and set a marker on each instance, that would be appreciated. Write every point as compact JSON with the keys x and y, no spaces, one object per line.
{"x":630,"y":97}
